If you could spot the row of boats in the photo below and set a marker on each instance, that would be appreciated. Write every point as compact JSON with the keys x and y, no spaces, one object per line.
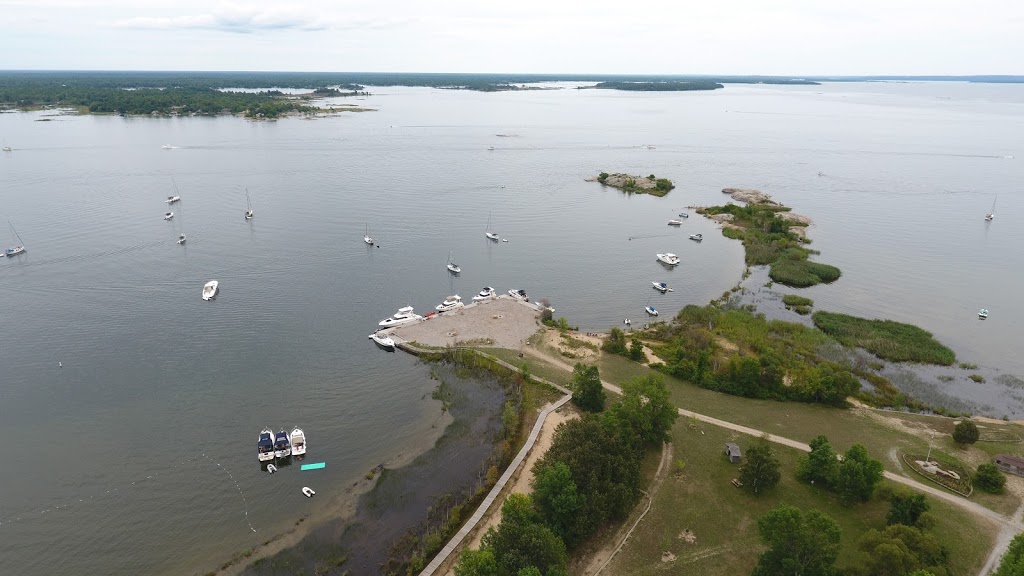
{"x":281,"y":445}
{"x":407,"y":314}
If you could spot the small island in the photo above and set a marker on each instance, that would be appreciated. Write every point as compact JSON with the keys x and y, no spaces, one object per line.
{"x":635,"y":184}
{"x":660,"y":86}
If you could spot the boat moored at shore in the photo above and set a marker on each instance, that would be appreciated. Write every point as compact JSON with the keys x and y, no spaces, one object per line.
{"x":450,"y":303}
{"x":383,"y":340}
{"x":519,"y":294}
{"x":487,"y":293}
{"x":403,"y":316}
{"x":265,"y":446}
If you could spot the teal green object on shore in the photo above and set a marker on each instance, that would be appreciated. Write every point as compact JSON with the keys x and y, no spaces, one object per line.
{"x":314,"y":466}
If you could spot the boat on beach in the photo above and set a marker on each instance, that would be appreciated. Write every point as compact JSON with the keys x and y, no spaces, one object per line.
{"x":265,"y":446}
{"x":661,"y":287}
{"x":450,"y":303}
{"x":282,"y":446}
{"x":668,"y":258}
{"x":403,"y":316}
{"x":383,"y":340}
{"x":519,"y":294}
{"x":210,"y":290}
{"x":486,"y":294}
{"x":298,"y":440}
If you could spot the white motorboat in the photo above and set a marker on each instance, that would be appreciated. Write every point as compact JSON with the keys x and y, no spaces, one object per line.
{"x":167,"y":147}
{"x":490,"y":147}
{"x":298,"y":439}
{"x":366,"y":235}
{"x":181,"y":238}
{"x":265,"y":446}
{"x":168,"y":215}
{"x":519,"y":294}
{"x":450,"y":303}
{"x":403,"y":316}
{"x":487,"y":231}
{"x":684,"y":215}
{"x":19,"y":245}
{"x":697,"y":237}
{"x":675,"y":222}
{"x":668,"y":258}
{"x":282,"y":447}
{"x":7,"y":149}
{"x":172,"y":199}
{"x":309,"y":493}
{"x":486,"y":294}
{"x":661,"y":287}
{"x":650,"y":310}
{"x":210,"y":290}
{"x":383,"y":340}
{"x":504,"y":239}
{"x":983,"y":313}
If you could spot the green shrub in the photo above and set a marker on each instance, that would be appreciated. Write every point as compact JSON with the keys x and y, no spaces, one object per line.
{"x":989,"y":478}
{"x":966,"y":432}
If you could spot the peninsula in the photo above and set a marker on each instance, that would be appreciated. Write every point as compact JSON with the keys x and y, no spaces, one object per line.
{"x":635,"y":184}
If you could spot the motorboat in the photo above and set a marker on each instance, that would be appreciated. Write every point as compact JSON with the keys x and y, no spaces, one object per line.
{"x":265,"y":446}
{"x":696,"y":237}
{"x":486,"y":294}
{"x":650,"y":310}
{"x":366,"y":236}
{"x":298,"y":439}
{"x":519,"y":294}
{"x":450,"y":303}
{"x":308,"y":492}
{"x":168,"y":215}
{"x":7,"y":149}
{"x":684,"y":215}
{"x":181,"y":238}
{"x":504,"y":239}
{"x":675,"y":222}
{"x":210,"y":290}
{"x":661,"y":287}
{"x":167,"y":147}
{"x":668,"y":258}
{"x":383,"y":340}
{"x":490,"y":147}
{"x":173,"y":199}
{"x":271,"y":468}
{"x":983,"y":313}
{"x":282,"y":447}
{"x":403,"y":316}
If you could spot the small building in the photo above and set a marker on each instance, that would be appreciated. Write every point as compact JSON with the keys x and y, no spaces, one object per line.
{"x":733,"y":452}
{"x":1011,"y":464}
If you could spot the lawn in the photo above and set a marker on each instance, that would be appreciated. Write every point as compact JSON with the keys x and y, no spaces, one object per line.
{"x":724,"y":519}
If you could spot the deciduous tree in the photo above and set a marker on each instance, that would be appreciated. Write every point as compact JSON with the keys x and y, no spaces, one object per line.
{"x":760,"y":468}
{"x":799,"y":544}
{"x":587,"y":392}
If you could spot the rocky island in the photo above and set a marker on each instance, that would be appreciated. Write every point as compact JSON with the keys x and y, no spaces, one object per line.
{"x":635,"y":184}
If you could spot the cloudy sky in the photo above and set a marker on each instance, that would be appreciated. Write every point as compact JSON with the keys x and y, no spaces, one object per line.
{"x":789,"y":37}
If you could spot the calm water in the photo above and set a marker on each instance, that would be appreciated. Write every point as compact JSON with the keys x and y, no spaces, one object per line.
{"x":159,"y":387}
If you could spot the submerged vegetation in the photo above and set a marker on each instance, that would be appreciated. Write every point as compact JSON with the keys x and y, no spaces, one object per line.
{"x":770,"y":239}
{"x":884,"y":338}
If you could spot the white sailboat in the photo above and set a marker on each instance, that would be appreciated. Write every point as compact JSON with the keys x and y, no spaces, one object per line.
{"x":366,"y":235}
{"x":19,"y":245}
{"x":487,"y":231}
{"x":248,"y":206}
{"x":992,"y":213}
{"x":452,"y":266}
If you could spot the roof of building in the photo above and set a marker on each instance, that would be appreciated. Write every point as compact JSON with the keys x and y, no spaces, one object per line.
{"x":1010,"y":459}
{"x":732,"y":449}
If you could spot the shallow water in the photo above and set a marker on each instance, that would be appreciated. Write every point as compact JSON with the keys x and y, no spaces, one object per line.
{"x":153,"y":378}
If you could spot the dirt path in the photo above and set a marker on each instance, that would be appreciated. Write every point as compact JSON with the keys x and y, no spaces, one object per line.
{"x":1009,"y":526}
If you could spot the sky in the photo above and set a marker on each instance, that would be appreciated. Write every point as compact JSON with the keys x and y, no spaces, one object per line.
{"x":769,"y":37}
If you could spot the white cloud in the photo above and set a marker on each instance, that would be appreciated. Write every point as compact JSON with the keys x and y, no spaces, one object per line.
{"x":232,"y":18}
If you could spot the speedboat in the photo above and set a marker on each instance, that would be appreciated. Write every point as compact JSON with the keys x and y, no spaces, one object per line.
{"x":383,"y":340}
{"x":298,"y":439}
{"x":450,"y":303}
{"x":661,"y":287}
{"x":282,"y":447}
{"x":486,"y":294}
{"x":668,"y":258}
{"x":675,"y":222}
{"x":403,"y":316}
{"x":181,"y":238}
{"x":519,"y":294}
{"x":210,"y":289}
{"x":168,"y":215}
{"x":172,"y":199}
{"x":650,"y":310}
{"x":697,"y":237}
{"x":983,"y":313}
{"x":265,"y":447}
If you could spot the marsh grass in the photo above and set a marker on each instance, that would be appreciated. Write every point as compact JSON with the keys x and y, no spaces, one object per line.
{"x":886,"y":339}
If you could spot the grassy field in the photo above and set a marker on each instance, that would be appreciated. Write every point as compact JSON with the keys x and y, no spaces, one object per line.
{"x":724,"y":519}
{"x":884,"y":338}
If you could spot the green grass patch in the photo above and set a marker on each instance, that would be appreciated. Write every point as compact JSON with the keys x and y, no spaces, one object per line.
{"x":723,"y":519}
{"x":968,"y":366}
{"x":977,"y":378}
{"x":794,"y":300}
{"x":886,"y":339}
{"x":768,"y":240}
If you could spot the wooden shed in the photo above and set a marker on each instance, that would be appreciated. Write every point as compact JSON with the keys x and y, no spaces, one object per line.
{"x":733,"y":452}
